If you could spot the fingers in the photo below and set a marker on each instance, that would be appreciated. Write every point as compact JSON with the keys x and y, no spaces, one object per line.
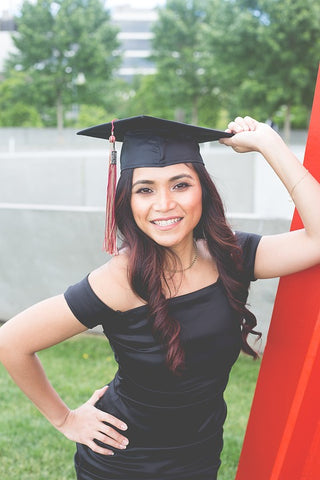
{"x":97,"y":449}
{"x":97,"y":395}
{"x":105,"y":434}
{"x":108,"y":437}
{"x":106,"y":417}
{"x":91,"y":426}
{"x":251,"y":122}
{"x":111,"y":432}
{"x":243,"y":124}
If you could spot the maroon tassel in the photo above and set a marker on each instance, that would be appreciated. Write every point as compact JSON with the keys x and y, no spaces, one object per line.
{"x":110,"y":237}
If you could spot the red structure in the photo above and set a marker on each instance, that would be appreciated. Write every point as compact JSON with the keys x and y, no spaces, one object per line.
{"x":282,"y":441}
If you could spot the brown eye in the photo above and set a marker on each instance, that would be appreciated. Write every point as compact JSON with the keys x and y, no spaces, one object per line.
{"x":144,"y":190}
{"x":181,"y":186}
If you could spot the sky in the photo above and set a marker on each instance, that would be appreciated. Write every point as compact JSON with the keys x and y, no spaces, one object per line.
{"x":12,"y":6}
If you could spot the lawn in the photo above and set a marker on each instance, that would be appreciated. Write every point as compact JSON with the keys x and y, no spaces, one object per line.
{"x":30,"y":449}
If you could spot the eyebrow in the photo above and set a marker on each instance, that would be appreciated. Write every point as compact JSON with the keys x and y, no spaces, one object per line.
{"x":172,"y":179}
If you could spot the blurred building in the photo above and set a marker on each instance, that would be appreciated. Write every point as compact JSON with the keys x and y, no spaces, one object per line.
{"x":135,"y":36}
{"x":7,"y":27}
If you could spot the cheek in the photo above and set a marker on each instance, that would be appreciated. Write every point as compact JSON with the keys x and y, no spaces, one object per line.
{"x":196,"y":205}
{"x":134,"y":207}
{"x":138,"y":208}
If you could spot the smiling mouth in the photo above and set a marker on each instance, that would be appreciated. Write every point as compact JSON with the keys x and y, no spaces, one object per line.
{"x":165,"y":223}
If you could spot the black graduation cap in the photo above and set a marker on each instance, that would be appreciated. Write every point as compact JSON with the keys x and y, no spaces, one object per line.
{"x":155,"y":142}
{"x":147,"y":142}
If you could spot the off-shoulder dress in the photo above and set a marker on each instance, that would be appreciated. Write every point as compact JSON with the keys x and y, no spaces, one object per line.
{"x":175,"y":423}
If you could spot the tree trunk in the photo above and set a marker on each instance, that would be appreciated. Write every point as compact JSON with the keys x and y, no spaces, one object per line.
{"x":179,"y":115}
{"x":59,"y":112}
{"x":287,"y":124}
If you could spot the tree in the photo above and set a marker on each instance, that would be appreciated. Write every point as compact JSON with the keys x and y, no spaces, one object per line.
{"x":180,"y":58}
{"x":68,"y":49}
{"x":149,"y":96}
{"x":267,"y":52}
{"x":16,"y":107}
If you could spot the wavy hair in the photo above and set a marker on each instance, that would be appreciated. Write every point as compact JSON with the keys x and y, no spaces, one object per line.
{"x":146,"y":260}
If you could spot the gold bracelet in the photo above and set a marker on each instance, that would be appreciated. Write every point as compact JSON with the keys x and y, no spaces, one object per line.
{"x":297,"y":183}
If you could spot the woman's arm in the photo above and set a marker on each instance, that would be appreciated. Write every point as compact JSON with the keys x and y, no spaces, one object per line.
{"x":283,"y":254}
{"x":41,"y":326}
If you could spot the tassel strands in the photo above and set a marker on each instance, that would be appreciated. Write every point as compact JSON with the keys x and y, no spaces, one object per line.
{"x":110,"y":238}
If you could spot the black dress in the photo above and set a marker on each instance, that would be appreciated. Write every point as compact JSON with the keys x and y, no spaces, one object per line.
{"x":175,"y":424}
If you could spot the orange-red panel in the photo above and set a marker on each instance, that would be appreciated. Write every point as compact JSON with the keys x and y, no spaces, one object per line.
{"x":282,"y":441}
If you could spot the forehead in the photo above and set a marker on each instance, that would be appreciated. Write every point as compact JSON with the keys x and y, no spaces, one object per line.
{"x":163,"y":173}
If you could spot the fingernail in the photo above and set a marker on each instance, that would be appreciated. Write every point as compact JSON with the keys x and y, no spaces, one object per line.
{"x":125,"y":441}
{"x":123,"y":426}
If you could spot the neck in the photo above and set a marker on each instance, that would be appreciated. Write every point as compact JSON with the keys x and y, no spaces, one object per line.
{"x":185,"y":257}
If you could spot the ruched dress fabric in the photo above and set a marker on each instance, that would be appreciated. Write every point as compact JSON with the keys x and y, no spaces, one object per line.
{"x":175,"y":423}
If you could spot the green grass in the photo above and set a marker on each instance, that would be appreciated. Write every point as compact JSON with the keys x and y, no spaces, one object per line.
{"x":30,"y":449}
{"x":238,"y":396}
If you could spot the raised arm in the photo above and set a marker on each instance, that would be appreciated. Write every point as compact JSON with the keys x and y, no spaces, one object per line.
{"x":286,"y":253}
{"x":41,"y":326}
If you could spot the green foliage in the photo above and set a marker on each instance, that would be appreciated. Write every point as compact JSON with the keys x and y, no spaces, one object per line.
{"x":91,"y":115}
{"x":20,"y":115}
{"x":31,"y":449}
{"x":149,"y":97}
{"x":215,"y":59}
{"x":67,"y":49}
{"x":180,"y":57}
{"x":240,"y":56}
{"x":267,"y":53}
{"x":16,"y":106}
{"x":299,"y":116}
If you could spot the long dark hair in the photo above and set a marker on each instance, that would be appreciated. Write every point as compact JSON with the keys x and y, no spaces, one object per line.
{"x":146,"y":260}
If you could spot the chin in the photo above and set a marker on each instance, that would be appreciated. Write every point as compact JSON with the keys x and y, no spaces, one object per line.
{"x":168,"y":242}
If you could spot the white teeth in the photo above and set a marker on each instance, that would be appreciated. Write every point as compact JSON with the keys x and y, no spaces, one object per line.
{"x":164,"y":223}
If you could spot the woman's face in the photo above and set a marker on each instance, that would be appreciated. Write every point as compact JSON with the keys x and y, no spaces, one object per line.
{"x":166,"y":203}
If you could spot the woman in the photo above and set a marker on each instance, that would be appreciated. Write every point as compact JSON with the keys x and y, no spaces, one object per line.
{"x":172,"y":304}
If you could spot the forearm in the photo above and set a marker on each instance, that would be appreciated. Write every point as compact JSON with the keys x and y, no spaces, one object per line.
{"x":303,"y":188}
{"x":28,"y":373}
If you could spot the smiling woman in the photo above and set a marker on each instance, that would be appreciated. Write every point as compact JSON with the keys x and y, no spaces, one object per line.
{"x":172,"y":303}
{"x":166,"y":204}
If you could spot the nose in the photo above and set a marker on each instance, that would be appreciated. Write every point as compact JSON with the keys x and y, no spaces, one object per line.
{"x":164,"y":201}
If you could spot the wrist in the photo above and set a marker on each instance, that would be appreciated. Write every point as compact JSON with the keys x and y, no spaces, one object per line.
{"x":271,"y":144}
{"x":60,"y":421}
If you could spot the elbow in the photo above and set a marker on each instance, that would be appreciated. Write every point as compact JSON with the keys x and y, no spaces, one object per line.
{"x":5,"y":344}
{"x":4,"y":347}
{"x":10,"y":346}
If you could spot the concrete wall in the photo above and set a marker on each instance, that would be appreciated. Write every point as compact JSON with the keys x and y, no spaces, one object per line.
{"x":43,"y":250}
{"x":78,"y":177}
{"x":16,"y":139}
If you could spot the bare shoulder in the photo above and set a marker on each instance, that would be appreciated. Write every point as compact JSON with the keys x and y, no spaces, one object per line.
{"x":110,"y":282}
{"x":116,"y":268}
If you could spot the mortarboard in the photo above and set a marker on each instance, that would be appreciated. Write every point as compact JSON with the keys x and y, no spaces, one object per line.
{"x":155,"y":142}
{"x":147,"y":142}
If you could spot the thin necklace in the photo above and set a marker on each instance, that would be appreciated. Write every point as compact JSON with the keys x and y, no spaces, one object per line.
{"x":193,"y":261}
